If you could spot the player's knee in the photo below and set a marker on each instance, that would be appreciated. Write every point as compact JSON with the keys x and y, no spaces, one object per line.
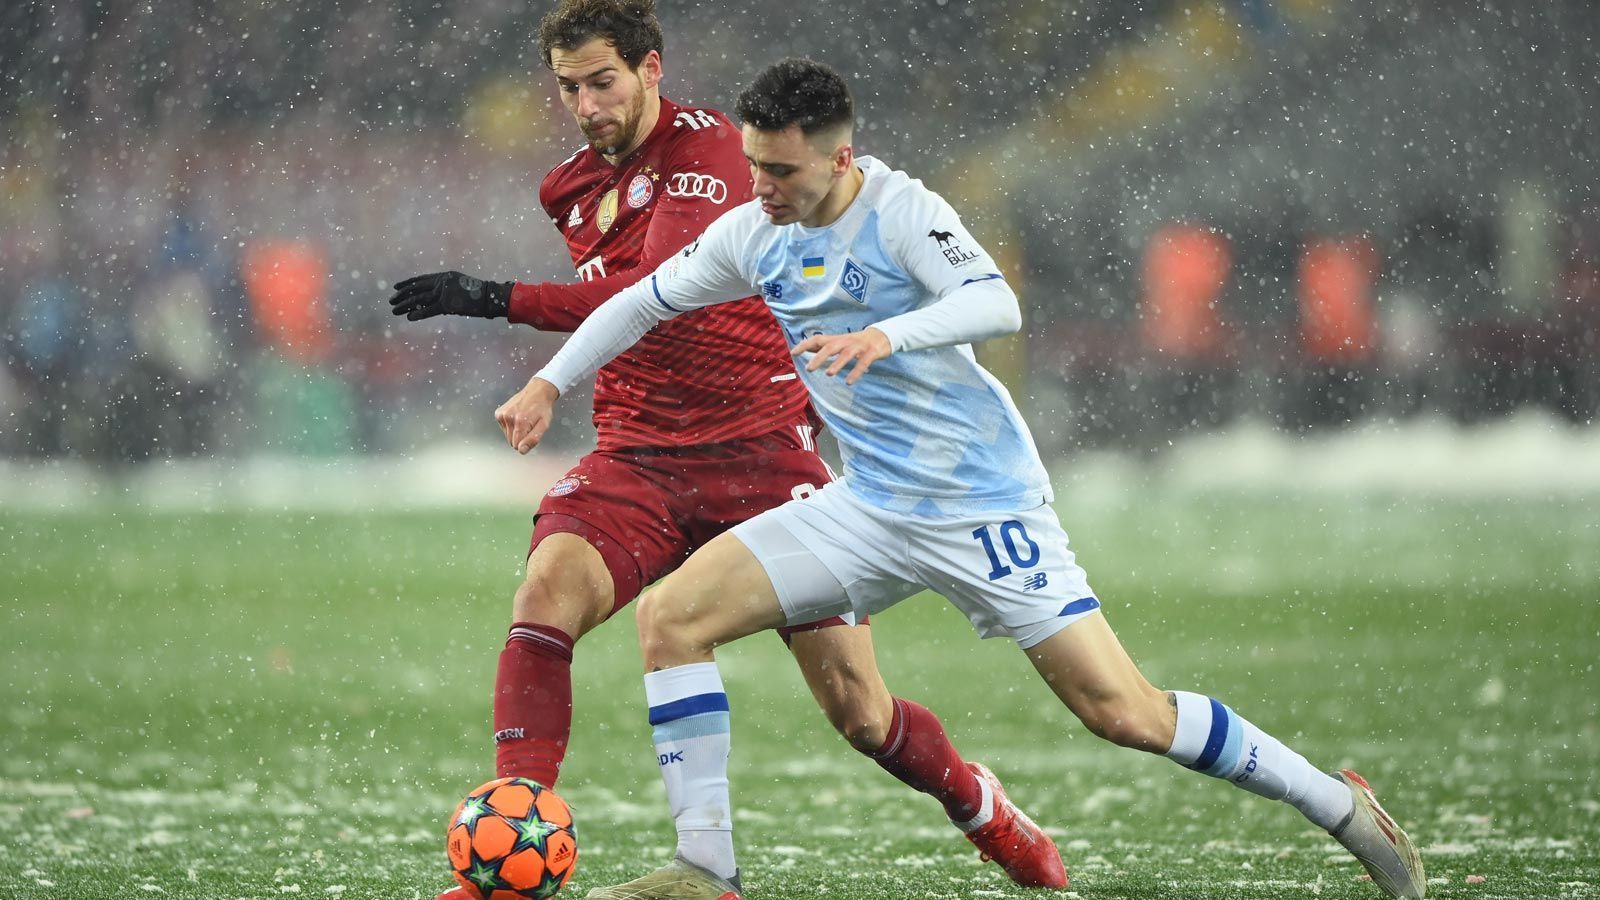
{"x":665,"y":619}
{"x":573,"y":607}
{"x":853,"y":716}
{"x":1127,"y":722}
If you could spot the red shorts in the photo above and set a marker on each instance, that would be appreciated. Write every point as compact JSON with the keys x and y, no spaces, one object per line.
{"x":647,"y":510}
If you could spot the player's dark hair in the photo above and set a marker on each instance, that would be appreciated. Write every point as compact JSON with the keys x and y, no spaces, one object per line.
{"x":799,"y":92}
{"x":630,"y":26}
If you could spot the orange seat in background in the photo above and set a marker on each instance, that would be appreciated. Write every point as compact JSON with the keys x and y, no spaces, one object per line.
{"x":285,"y":281}
{"x":1337,"y":320}
{"x":1185,"y":270}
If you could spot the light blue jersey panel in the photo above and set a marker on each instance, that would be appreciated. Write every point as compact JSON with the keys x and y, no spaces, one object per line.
{"x":927,"y":432}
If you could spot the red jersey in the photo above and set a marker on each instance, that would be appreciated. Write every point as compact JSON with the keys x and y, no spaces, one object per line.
{"x":718,"y":374}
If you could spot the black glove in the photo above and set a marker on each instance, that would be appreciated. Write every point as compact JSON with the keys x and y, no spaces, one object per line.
{"x":450,"y":293}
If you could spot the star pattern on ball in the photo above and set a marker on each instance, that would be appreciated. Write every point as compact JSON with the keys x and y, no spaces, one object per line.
{"x":472,"y":810}
{"x":531,"y":832}
{"x":483,"y":875}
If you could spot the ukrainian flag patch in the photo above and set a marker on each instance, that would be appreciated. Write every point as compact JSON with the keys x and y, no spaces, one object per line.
{"x":811,"y":267}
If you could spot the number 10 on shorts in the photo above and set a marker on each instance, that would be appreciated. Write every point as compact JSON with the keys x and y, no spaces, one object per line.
{"x":1011,"y":532}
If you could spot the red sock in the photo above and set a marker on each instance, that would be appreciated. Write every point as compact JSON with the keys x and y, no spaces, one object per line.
{"x":918,"y":753}
{"x":533,"y":703}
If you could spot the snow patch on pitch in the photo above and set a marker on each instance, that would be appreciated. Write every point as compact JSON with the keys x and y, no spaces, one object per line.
{"x":1525,"y":455}
{"x":438,"y":477}
{"x":1529,"y":454}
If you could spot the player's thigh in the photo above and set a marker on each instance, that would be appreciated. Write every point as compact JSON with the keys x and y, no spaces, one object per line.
{"x":613,"y":503}
{"x":567,"y":585}
{"x":720,"y":594}
{"x":827,"y":556}
{"x":1011,"y":573}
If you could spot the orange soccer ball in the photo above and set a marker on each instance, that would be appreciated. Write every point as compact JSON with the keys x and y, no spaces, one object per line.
{"x":511,"y":839}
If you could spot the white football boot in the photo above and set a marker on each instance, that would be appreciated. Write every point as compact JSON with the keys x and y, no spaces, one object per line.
{"x":1380,"y":845}
{"x":677,"y":880}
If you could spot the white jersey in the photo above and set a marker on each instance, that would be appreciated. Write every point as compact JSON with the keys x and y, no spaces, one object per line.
{"x":926,"y":431}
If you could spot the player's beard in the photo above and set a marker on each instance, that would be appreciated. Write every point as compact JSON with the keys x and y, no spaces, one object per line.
{"x":627,"y":128}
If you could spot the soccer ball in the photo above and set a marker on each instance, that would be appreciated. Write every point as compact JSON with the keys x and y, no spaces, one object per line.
{"x":512,"y":838}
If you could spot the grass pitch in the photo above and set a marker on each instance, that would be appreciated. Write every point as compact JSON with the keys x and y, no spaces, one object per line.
{"x":255,"y":705}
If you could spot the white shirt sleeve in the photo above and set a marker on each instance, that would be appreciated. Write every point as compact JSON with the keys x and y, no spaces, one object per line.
{"x":705,"y":273}
{"x":973,"y":312}
{"x":972,"y":302}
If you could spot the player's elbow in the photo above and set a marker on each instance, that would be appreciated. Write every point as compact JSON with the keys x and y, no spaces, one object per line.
{"x":1008,"y":309}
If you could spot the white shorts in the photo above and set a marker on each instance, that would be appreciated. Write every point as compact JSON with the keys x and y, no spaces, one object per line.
{"x":833,"y":553}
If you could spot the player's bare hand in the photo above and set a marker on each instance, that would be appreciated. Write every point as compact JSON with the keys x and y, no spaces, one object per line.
{"x":526,"y":416}
{"x":858,"y":349}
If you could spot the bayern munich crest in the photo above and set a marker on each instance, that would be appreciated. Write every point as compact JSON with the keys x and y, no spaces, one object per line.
{"x":566,"y":486}
{"x":639,"y":191}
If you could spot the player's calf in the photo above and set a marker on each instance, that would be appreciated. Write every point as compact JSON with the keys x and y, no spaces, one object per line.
{"x":719,"y":595}
{"x":841,"y":669}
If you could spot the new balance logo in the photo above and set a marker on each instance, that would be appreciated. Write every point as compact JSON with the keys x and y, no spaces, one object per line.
{"x":667,"y":759}
{"x":508,"y":734}
{"x":1036,"y":581}
{"x":772,"y":289}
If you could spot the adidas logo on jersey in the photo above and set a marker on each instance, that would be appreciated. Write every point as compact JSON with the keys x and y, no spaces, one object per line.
{"x":573,"y":218}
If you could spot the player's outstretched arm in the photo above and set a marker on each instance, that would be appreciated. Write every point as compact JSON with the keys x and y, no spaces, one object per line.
{"x":450,"y":294}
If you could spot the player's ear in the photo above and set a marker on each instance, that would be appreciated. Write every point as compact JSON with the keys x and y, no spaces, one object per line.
{"x":650,"y":70}
{"x":844,"y":156}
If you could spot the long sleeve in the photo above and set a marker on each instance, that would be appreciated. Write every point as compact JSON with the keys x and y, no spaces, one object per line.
{"x":972,"y":302}
{"x":613,"y":327}
{"x":976,"y":311}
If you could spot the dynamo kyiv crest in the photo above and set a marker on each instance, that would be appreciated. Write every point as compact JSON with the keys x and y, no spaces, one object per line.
{"x":854,"y":281}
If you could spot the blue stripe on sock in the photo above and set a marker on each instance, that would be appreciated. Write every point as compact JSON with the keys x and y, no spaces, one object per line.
{"x":1228,"y":759}
{"x":1215,"y":741}
{"x":688,"y":706}
{"x":693,"y":727}
{"x":1079,"y":606}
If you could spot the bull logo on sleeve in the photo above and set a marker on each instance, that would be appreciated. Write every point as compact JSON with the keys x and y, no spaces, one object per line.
{"x":950,"y":246}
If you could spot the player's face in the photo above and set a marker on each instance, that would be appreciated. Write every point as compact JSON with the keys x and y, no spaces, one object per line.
{"x":793,"y":173}
{"x":607,"y":96}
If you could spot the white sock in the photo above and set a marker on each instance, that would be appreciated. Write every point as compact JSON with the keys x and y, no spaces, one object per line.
{"x":689,"y":712}
{"x":1215,"y":740}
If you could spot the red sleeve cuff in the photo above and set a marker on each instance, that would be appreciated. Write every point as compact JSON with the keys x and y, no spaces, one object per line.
{"x":526,"y":307}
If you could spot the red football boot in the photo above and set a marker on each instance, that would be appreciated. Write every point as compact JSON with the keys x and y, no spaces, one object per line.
{"x":1011,"y":839}
{"x":456,"y":893}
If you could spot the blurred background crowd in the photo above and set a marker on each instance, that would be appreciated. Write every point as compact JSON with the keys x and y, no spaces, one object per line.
{"x":1312,"y":212}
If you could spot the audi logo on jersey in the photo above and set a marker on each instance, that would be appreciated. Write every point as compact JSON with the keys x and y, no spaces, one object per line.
{"x":694,"y":184}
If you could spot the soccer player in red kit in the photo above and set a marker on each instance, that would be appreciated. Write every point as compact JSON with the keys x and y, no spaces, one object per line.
{"x":702,"y":425}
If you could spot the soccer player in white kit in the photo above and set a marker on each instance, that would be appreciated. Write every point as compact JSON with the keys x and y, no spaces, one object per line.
{"x":881,"y":290}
